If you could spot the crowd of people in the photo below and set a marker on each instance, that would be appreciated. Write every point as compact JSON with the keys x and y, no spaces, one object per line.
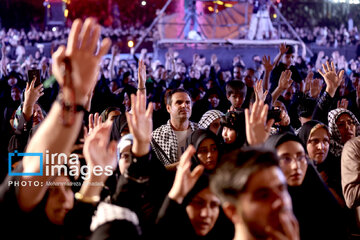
{"x":324,"y":36}
{"x":196,"y":152}
{"x":18,"y":42}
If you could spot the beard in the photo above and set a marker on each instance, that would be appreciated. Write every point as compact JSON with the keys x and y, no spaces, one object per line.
{"x":257,"y":230}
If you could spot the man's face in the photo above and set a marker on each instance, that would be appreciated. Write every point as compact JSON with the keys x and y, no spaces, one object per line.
{"x":318,"y":145}
{"x":346,"y":126}
{"x":60,"y":201}
{"x":264,"y":201}
{"x":203,"y":211}
{"x":288,"y":59}
{"x":237,"y":99}
{"x":180,"y":108}
{"x":237,"y":73}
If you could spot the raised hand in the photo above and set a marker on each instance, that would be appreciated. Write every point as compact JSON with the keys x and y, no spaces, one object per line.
{"x":283,"y":49}
{"x":236,"y":60}
{"x":315,"y":88}
{"x":213,"y":59}
{"x":185,"y":179}
{"x":140,"y":123}
{"x":82,"y":43}
{"x":114,"y":50}
{"x":32,"y":95}
{"x":358,"y":91}
{"x":257,"y":129}
{"x":308,"y":81}
{"x":285,"y":80}
{"x":94,"y":121}
{"x":267,"y":64}
{"x":141,"y":75}
{"x":260,"y":95}
{"x":285,"y":119}
{"x":98,"y":151}
{"x":343,"y":103}
{"x":332,"y":79}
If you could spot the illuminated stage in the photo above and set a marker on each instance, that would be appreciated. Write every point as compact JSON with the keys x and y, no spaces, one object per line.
{"x":225,"y":49}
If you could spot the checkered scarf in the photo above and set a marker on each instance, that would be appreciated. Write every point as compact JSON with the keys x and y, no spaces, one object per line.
{"x":106,"y":213}
{"x":209,"y":117}
{"x":165,"y":144}
{"x":336,"y":146}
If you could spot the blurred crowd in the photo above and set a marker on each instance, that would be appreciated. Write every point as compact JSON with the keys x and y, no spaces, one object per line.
{"x":198,"y":151}
{"x":329,"y":37}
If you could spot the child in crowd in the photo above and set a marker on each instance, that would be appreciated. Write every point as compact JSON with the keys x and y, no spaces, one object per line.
{"x":236,"y":93}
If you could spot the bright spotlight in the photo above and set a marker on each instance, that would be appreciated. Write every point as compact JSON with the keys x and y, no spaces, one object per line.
{"x":131,"y":44}
{"x":143,"y":3}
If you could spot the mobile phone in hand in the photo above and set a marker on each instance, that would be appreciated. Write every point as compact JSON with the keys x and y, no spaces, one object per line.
{"x":34,"y":73}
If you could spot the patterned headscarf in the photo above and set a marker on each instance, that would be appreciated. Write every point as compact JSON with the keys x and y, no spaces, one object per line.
{"x":336,"y":146}
{"x":209,"y":117}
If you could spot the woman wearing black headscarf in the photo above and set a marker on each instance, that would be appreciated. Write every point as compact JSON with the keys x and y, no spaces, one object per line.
{"x":318,"y":213}
{"x":191,"y":210}
{"x":315,"y":136}
{"x":207,"y":149}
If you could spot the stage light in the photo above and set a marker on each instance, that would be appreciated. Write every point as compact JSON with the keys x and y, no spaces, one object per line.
{"x":274,"y":15}
{"x":49,"y":6}
{"x":229,"y":5}
{"x":220,"y":2}
{"x":54,"y":29}
{"x":66,"y":13}
{"x":131,"y":44}
{"x":211,"y":9}
{"x":143,"y":3}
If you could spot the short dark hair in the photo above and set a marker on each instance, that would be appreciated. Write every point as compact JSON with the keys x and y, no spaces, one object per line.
{"x":239,"y":65}
{"x":172,"y":92}
{"x":160,"y":66}
{"x":290,"y":50}
{"x":355,"y":74}
{"x":232,"y":176}
{"x":235,"y":86}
